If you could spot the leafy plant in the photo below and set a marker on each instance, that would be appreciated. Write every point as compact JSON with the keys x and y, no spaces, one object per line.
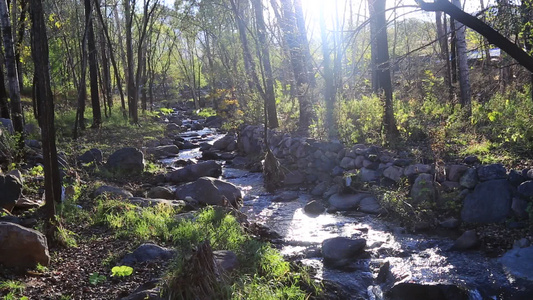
{"x":121,"y":271}
{"x":13,"y":286}
{"x":96,"y":279}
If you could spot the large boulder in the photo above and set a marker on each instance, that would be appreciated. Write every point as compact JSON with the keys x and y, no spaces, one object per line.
{"x":163,"y":151}
{"x":210,"y":191}
{"x":491,"y":172}
{"x":94,"y":155}
{"x":341,"y":251}
{"x":126,"y":161}
{"x":526,"y":189}
{"x":10,"y":191}
{"x":423,"y":190}
{"x":192,"y":172}
{"x":227,"y":141}
{"x":434,"y":291}
{"x":146,"y":253}
{"x":160,"y":192}
{"x":490,"y":202}
{"x":469,"y":179}
{"x":21,"y":247}
{"x":519,"y":262}
{"x":362,"y":202}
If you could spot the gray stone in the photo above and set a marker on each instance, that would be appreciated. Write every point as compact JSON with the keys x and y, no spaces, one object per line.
{"x":467,"y":240}
{"x":393,"y":172}
{"x":423,"y":190}
{"x":126,"y":161}
{"x":173,"y":128}
{"x":10,"y":191}
{"x":17,"y":174}
{"x":346,"y":202}
{"x":370,"y":205}
{"x":163,"y":151}
{"x":21,"y":247}
{"x":146,"y":202}
{"x":314,"y":208}
{"x":450,"y":186}
{"x":450,"y":223}
{"x":285,"y":196}
{"x":491,"y":172}
{"x":433,"y":291}
{"x":340,"y":251}
{"x":519,"y":207}
{"x":455,"y":172}
{"x":160,"y":192}
{"x":347,"y":163}
{"x":226,"y":259}
{"x":7,"y":124}
{"x":192,"y":172}
{"x":367,"y":175}
{"x":519,"y":262}
{"x":416,"y":169}
{"x":490,"y":202}
{"x":225,"y":141}
{"x":522,"y":243}
{"x":359,"y":161}
{"x":146,"y":253}
{"x":469,"y":179}
{"x":210,"y":191}
{"x":294,"y":178}
{"x":470,"y":160}
{"x":515,"y":177}
{"x":319,"y":189}
{"x":112,"y":192}
{"x":526,"y":188}
{"x":93,"y":155}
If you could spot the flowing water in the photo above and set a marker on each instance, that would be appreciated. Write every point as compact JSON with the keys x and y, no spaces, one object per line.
{"x":415,"y":258}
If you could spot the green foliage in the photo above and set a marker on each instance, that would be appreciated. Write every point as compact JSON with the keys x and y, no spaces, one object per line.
{"x":66,"y":237}
{"x":12,"y":286}
{"x":96,"y":279}
{"x":36,"y":171}
{"x":121,"y":271}
{"x":41,"y":269}
{"x":206,"y":112}
{"x":359,"y":120}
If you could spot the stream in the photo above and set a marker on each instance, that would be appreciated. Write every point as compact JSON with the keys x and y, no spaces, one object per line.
{"x":422,"y":259}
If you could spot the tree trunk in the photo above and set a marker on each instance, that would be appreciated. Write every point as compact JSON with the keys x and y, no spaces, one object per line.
{"x":270,"y":97}
{"x":377,"y":11}
{"x":462,"y":63}
{"x":132,"y":90}
{"x":302,"y":35}
{"x":45,"y":99}
{"x":453,"y":46}
{"x":93,"y":66}
{"x":329,"y":89}
{"x":4,"y":105}
{"x":442,"y":36}
{"x":106,"y":73}
{"x":20,"y":41}
{"x":11,"y":67}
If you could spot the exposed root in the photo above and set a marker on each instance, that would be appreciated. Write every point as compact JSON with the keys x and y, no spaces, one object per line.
{"x":272,"y":173}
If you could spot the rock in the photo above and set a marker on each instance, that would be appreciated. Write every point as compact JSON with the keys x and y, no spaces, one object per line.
{"x":285,"y":196}
{"x":319,"y":189}
{"x":469,"y":179}
{"x":7,"y":124}
{"x":146,"y":253}
{"x":160,"y":192}
{"x":515,"y":177}
{"x":225,"y":141}
{"x":294,"y":178}
{"x":10,"y":191}
{"x":519,"y":262}
{"x":384,"y":272}
{"x":433,"y":291}
{"x":192,"y":172}
{"x":519,"y":208}
{"x":526,"y":188}
{"x":394,"y":173}
{"x":145,"y":202}
{"x":367,"y":175}
{"x":126,"y":161}
{"x":163,"y":151}
{"x":25,"y":203}
{"x":94,"y":155}
{"x":521,"y":243}
{"x":145,"y":294}
{"x":346,"y":202}
{"x":416,"y":169}
{"x":214,"y":122}
{"x":347,"y":163}
{"x":455,"y":172}
{"x":467,"y":240}
{"x":491,"y":172}
{"x":423,"y":190}
{"x":17,"y":174}
{"x":173,"y":128}
{"x":210,"y":191}
{"x":314,"y":208}
{"x":370,"y":205}
{"x":35,"y":144}
{"x":450,"y":186}
{"x":22,"y":247}
{"x":401,"y":162}
{"x":470,"y":160}
{"x":359,"y":161}
{"x":490,"y":202}
{"x":340,"y":251}
{"x":450,"y":223}
{"x":226,"y":259}
{"x":112,"y":192}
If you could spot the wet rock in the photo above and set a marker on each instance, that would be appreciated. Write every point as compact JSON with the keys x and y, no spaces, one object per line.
{"x":146,"y":253}
{"x":226,"y":259}
{"x":419,"y":291}
{"x":210,"y":191}
{"x":490,"y":202}
{"x":192,"y":172}
{"x":394,"y":173}
{"x":519,"y":262}
{"x":285,"y":196}
{"x":126,"y":161}
{"x":94,"y":155}
{"x":491,"y":172}
{"x":319,"y":189}
{"x":519,"y":208}
{"x":160,"y":192}
{"x":450,"y":223}
{"x":526,"y":189}
{"x":456,"y":171}
{"x":384,"y":272}
{"x":370,"y":205}
{"x":423,"y":190}
{"x":145,"y":202}
{"x":467,"y":240}
{"x":224,"y":142}
{"x":111,"y":192}
{"x":163,"y":151}
{"x":294,"y":178}
{"x":314,"y":208}
{"x":470,"y":160}
{"x":21,"y":247}
{"x":10,"y":191}
{"x":469,"y":179}
{"x":340,"y":251}
{"x":346,"y":202}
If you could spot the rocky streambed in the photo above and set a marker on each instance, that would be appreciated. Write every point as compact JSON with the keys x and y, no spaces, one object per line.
{"x":360,"y":255}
